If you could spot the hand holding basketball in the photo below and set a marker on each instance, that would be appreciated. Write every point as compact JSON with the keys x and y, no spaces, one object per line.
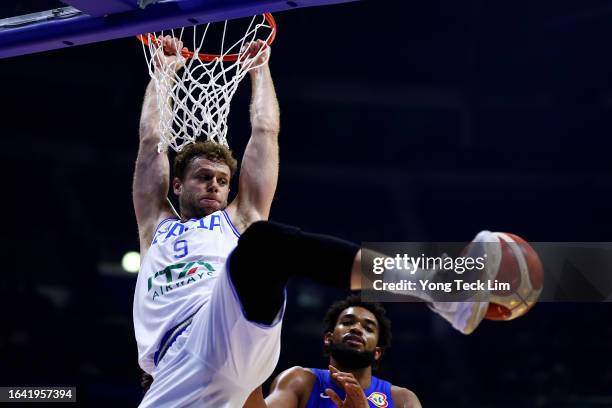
{"x":168,"y":56}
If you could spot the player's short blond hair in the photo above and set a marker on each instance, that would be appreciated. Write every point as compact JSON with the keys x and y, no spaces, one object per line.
{"x":210,"y":150}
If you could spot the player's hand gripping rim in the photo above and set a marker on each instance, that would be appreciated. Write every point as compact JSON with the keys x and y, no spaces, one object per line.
{"x":167,"y":56}
{"x":255,"y":54}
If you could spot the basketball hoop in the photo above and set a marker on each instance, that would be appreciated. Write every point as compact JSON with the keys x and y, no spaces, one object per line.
{"x":201,"y":91}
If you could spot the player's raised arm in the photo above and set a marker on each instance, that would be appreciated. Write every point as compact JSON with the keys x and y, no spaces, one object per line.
{"x":152,"y":172}
{"x":259,"y":170}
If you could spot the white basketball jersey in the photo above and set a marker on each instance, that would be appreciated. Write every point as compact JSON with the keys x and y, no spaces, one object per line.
{"x":177,"y":275}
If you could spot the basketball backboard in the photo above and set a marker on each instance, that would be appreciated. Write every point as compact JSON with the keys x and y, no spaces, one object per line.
{"x":87,"y":21}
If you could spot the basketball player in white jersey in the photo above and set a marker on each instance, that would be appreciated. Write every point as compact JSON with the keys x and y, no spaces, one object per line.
{"x":209,"y":298}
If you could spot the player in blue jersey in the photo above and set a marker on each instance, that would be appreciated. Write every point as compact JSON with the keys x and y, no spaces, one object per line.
{"x":356,"y":336}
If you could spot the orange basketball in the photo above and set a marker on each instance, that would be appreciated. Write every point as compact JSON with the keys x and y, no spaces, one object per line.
{"x":522,"y":269}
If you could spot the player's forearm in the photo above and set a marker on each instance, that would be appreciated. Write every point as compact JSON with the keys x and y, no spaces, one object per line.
{"x":152,"y":170}
{"x":265,"y":117}
{"x":152,"y":110}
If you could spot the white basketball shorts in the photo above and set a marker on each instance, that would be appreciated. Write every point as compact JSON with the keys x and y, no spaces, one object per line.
{"x":219,"y":359}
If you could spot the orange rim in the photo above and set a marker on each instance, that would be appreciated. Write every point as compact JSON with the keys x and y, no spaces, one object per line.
{"x":145,"y":38}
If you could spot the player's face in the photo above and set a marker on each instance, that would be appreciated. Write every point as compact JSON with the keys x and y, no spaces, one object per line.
{"x":356,"y":328}
{"x":204,"y":189}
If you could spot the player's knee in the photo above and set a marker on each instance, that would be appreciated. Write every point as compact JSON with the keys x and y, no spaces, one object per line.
{"x":255,"y":234}
{"x":267,"y":235}
{"x":257,"y":252}
{"x":251,"y":245}
{"x":263,"y":240}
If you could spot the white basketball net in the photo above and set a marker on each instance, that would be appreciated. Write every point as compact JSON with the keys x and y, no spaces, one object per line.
{"x":194,"y":101}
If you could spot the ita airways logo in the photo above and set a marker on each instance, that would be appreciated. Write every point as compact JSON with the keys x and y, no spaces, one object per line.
{"x":379,"y":399}
{"x":178,"y":275}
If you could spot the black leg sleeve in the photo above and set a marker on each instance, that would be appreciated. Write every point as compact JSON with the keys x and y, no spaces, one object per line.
{"x":269,"y":253}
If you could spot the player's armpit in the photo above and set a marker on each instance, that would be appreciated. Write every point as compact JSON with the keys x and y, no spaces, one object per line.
{"x":149,"y":193}
{"x":404,"y":398}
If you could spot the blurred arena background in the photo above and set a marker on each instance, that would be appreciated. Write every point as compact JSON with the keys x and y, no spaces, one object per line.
{"x":416,"y":120}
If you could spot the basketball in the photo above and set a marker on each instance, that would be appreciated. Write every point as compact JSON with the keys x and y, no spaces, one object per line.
{"x":521,"y":267}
